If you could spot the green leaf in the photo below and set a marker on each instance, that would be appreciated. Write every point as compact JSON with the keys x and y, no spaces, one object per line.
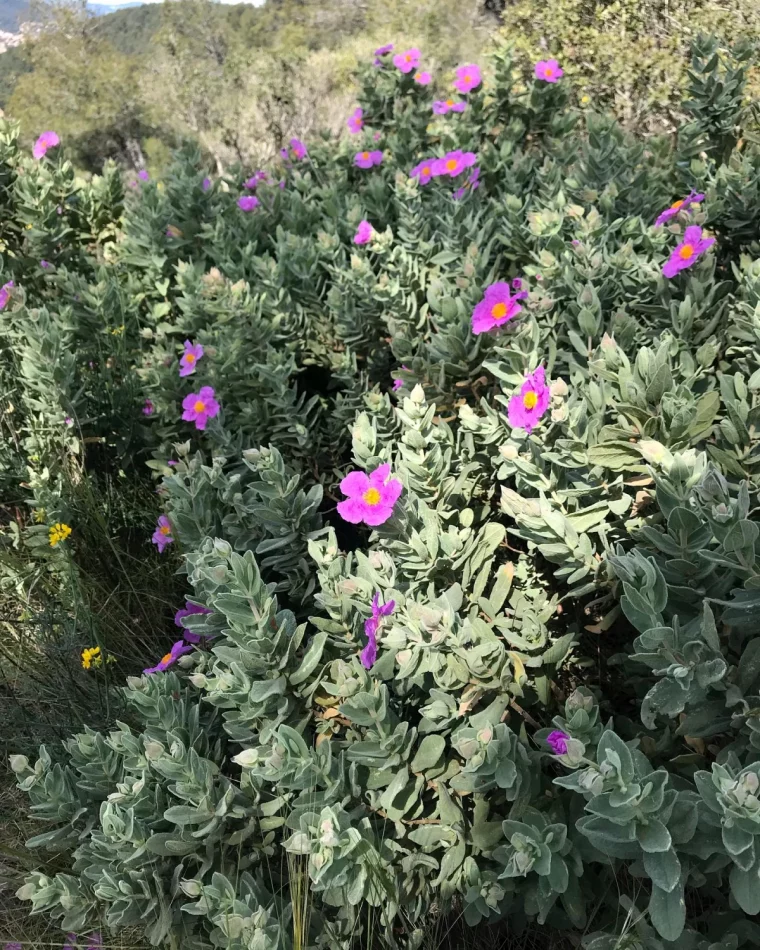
{"x":667,"y":911}
{"x":653,"y":836}
{"x":664,"y":868}
{"x":745,"y":887}
{"x":616,"y":456}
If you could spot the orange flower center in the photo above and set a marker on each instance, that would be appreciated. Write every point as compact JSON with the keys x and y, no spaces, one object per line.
{"x":365,"y":154}
{"x":166,"y":658}
{"x":407,"y":58}
{"x":549,"y":71}
{"x":530,"y":399}
{"x":449,"y":102}
{"x":417,"y":75}
{"x":686,"y":252}
{"x":371,"y":496}
{"x":499,"y":311}
{"x":426,"y":170}
{"x":676,"y":205}
{"x":467,"y":78}
{"x":190,"y":357}
{"x":165,"y":529}
{"x":199,"y":406}
{"x":451,"y":164}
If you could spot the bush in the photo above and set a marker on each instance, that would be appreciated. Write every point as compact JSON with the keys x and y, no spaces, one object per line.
{"x":530,"y":690}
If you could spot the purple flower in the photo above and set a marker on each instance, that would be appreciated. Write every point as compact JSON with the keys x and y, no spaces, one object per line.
{"x":549,"y":70}
{"x":46,"y":141}
{"x":363,"y":233}
{"x":497,"y":307}
{"x":200,"y":407}
{"x":423,"y":78}
{"x":424,"y":171}
{"x":162,"y":536}
{"x":256,"y":179}
{"x":94,"y":941}
{"x":68,"y":421}
{"x":368,"y":159}
{"x":685,"y":204}
{"x":407,"y":61}
{"x":370,"y":498}
{"x":442,"y":106}
{"x":355,"y":121}
{"x":247,"y":202}
{"x":12,"y":946}
{"x":557,"y":742}
{"x":172,"y":462}
{"x":189,"y":359}
{"x":143,"y":175}
{"x":168,"y":659}
{"x":148,"y":407}
{"x":189,"y":610}
{"x":397,"y":384}
{"x":526,"y":407}
{"x":369,"y":653}
{"x":376,"y":136}
{"x":694,"y":244}
{"x":206,"y":184}
{"x":5,"y":294}
{"x":45,"y":264}
{"x":517,"y":283}
{"x":297,"y":150}
{"x":454,"y":163}
{"x":382,"y":50}
{"x":468,"y":78}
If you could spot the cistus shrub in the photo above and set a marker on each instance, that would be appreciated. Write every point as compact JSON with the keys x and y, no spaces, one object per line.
{"x":459,"y":450}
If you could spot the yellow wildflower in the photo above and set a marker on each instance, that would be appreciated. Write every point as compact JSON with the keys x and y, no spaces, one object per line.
{"x":58,"y":532}
{"x":91,"y":657}
{"x":117,"y":331}
{"x":39,"y":515}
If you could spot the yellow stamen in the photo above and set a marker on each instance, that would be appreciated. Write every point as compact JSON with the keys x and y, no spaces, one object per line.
{"x":676,"y":205}
{"x":371,"y":496}
{"x":499,"y":311}
{"x":365,"y":155}
{"x":166,"y":658}
{"x":165,"y":529}
{"x":451,"y":164}
{"x":426,"y":170}
{"x":199,"y":406}
{"x":190,"y":357}
{"x":449,"y":102}
{"x":530,"y":399}
{"x":467,"y":78}
{"x":549,"y":71}
{"x":686,"y":252}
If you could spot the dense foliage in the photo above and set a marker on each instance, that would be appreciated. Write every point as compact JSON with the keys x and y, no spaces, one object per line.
{"x":514,"y":670}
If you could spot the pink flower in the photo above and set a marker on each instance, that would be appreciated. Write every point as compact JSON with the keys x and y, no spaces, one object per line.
{"x":45,"y":265}
{"x":148,"y":407}
{"x":424,"y":171}
{"x":170,"y":658}
{"x":497,"y":307}
{"x":200,"y":407}
{"x":376,"y":136}
{"x":143,"y":175}
{"x":685,"y":204}
{"x":355,"y":121}
{"x":369,"y":653}
{"x":468,"y":78}
{"x":398,"y":383}
{"x":162,"y":536}
{"x":454,"y":163}
{"x":190,"y":609}
{"x":557,"y":741}
{"x":382,"y":50}
{"x":370,"y":497}
{"x":549,"y":70}
{"x":363,"y":233}
{"x":206,"y":184}
{"x":247,"y":202}
{"x":442,"y":106}
{"x":407,"y":61}
{"x":368,"y":159}
{"x":5,"y":294}
{"x":694,"y":244}
{"x":526,"y":407}
{"x":423,"y":78}
{"x":46,"y":141}
{"x":189,"y":359}
{"x":255,"y":180}
{"x":298,"y":149}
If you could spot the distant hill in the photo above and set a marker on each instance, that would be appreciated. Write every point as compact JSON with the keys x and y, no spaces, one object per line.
{"x":13,"y":12}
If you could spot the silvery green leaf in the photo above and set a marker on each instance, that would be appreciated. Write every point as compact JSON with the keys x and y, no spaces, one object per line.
{"x":667,"y":911}
{"x":664,"y":868}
